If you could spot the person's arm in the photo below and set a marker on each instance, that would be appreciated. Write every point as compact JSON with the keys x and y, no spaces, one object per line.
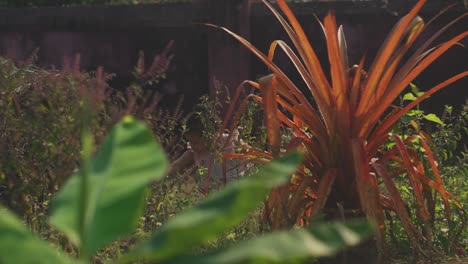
{"x":183,"y":161}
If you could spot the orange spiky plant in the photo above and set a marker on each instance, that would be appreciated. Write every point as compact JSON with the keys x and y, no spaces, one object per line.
{"x":342,"y":132}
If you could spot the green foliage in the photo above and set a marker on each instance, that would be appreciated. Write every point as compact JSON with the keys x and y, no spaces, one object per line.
{"x":129,"y":150}
{"x":209,"y":110}
{"x":219,"y":212}
{"x":287,"y":246}
{"x":448,"y":140}
{"x":102,"y":201}
{"x":42,"y":116}
{"x":18,"y":245}
{"x":165,"y":123}
{"x":417,"y":114}
{"x":343,"y":129}
{"x":40,"y":139}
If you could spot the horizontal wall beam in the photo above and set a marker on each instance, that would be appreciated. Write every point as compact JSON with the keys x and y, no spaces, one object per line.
{"x":176,"y":15}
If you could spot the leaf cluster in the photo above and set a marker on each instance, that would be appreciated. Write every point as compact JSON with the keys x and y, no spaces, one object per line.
{"x":343,"y":129}
{"x":42,"y":117}
{"x":103,"y":201}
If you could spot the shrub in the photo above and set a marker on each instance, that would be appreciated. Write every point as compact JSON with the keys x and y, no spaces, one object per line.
{"x":446,"y":139}
{"x":40,"y":140}
{"x":104,"y":199}
{"x":344,"y":128}
{"x":42,"y":115}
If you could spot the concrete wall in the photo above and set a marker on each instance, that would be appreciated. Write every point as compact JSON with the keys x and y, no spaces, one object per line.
{"x":112,"y":37}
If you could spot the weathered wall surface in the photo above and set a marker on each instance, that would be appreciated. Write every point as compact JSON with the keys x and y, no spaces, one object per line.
{"x":117,"y":52}
{"x":365,"y":32}
{"x":112,"y":37}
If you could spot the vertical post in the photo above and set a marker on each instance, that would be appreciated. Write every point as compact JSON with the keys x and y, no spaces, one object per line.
{"x":228,"y":60}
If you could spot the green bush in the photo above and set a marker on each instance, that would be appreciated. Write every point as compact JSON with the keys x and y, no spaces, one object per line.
{"x":446,"y":134}
{"x":42,"y":115}
{"x":450,"y":143}
{"x":40,"y":139}
{"x":105,"y":198}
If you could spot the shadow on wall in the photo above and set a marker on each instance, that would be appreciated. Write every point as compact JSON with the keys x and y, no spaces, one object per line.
{"x":364,"y":35}
{"x":118,"y":52}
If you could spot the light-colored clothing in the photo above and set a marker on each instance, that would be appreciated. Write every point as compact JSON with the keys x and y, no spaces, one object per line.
{"x":234,"y":167}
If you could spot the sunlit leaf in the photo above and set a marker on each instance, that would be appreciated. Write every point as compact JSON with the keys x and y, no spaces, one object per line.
{"x":415,"y":125}
{"x":414,"y":88}
{"x":415,"y":113}
{"x":409,"y":97}
{"x":268,"y":87}
{"x":434,"y":118}
{"x":448,"y":108}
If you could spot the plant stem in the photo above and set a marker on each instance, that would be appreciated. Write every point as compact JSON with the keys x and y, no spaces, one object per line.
{"x":87,"y":150}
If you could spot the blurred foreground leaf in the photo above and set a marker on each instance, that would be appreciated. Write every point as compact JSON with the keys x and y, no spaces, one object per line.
{"x":320,"y":240}
{"x":116,"y":178}
{"x":18,"y":245}
{"x":217,"y":213}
